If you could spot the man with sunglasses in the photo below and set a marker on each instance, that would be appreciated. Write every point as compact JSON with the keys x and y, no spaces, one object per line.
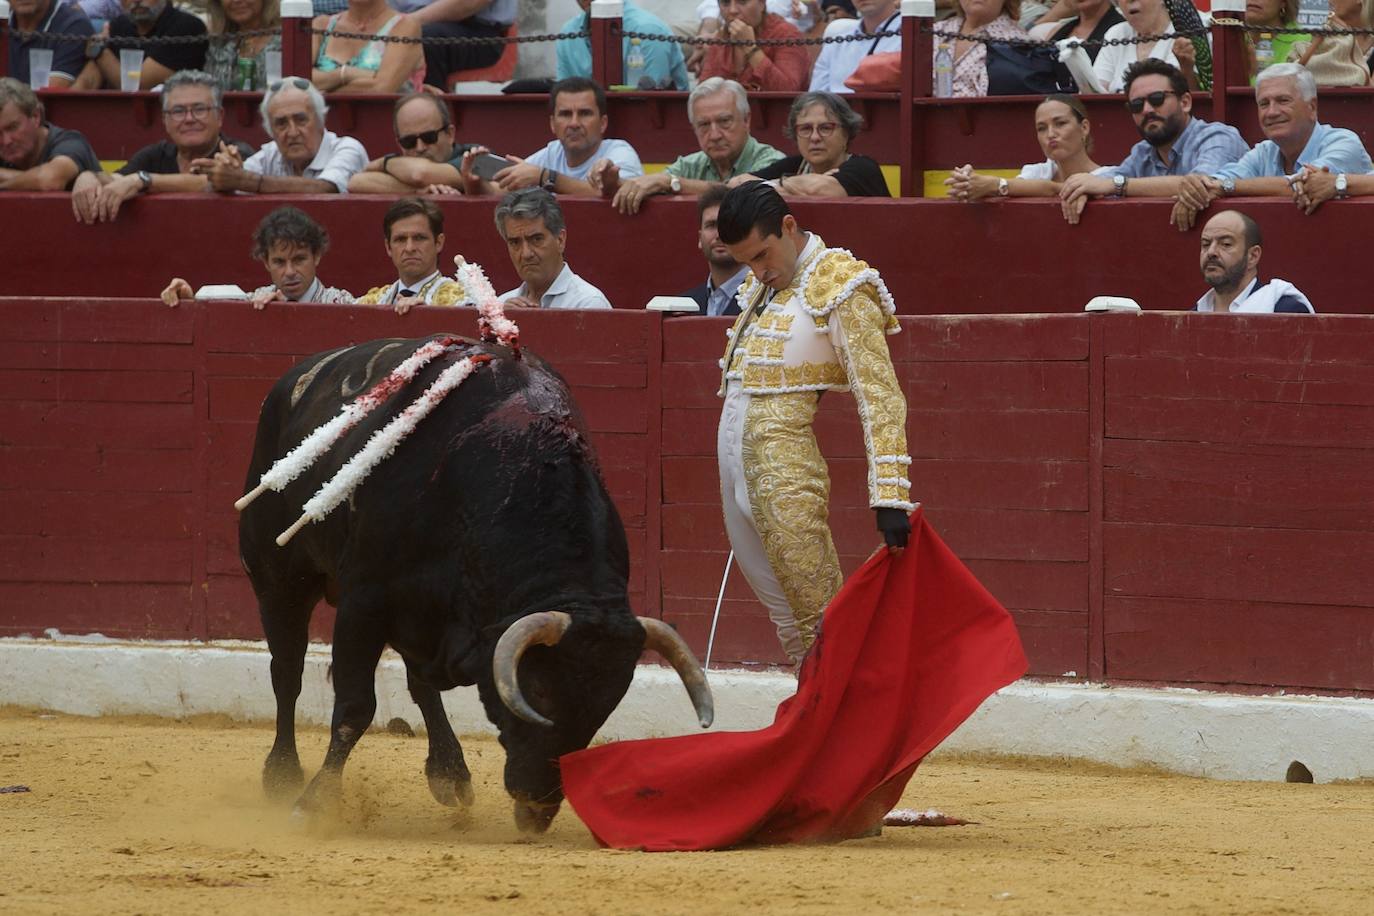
{"x":429,"y":160}
{"x":1173,"y":144}
{"x":193,"y":118}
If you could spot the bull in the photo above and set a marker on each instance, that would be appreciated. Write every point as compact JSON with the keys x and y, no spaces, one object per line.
{"x":486,"y":550}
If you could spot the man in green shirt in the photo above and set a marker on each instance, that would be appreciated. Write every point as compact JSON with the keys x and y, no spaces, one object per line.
{"x":719,"y":112}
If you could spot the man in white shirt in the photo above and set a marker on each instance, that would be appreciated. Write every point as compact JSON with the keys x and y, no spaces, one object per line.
{"x":302,"y":158}
{"x":837,"y":62}
{"x":531,"y":222}
{"x":1230,"y":265}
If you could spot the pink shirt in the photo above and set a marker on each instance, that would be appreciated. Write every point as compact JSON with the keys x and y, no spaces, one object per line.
{"x":971,"y":70}
{"x":781,"y":68}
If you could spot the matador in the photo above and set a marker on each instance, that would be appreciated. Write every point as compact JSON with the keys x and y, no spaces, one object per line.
{"x":812,"y":319}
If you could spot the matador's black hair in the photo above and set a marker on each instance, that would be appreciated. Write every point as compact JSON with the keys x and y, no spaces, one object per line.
{"x":750,"y":206}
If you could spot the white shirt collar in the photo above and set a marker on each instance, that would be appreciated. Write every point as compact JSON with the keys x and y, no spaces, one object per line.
{"x":1208,"y":302}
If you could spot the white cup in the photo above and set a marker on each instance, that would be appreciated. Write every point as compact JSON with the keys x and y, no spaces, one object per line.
{"x":130,"y":69}
{"x":273,"y":61}
{"x":40,"y":67}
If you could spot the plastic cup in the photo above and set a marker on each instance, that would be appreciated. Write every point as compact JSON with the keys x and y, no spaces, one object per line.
{"x":130,"y":69}
{"x":40,"y":67}
{"x":273,"y":62}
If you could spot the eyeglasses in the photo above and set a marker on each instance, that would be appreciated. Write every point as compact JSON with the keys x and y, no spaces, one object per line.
{"x":819,"y":130}
{"x":724,"y":122}
{"x":430,"y":137}
{"x":1137,"y":105}
{"x":296,"y":81}
{"x":181,"y":112}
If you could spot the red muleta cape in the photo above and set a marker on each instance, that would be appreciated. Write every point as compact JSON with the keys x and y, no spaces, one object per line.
{"x":908,"y":649}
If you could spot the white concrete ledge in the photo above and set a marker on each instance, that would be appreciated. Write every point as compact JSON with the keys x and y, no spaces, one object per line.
{"x":1220,"y":736}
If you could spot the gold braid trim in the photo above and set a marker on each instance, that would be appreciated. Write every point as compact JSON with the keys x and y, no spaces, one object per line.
{"x":373,"y":296}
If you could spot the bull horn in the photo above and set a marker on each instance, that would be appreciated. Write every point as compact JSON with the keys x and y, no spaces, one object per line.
{"x":544,"y":628}
{"x":664,"y":640}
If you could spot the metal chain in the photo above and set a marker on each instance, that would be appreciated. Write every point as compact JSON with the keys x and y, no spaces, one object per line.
{"x":456,"y":39}
{"x":205,"y":39}
{"x":1084,"y":42}
{"x":761,"y":42}
{"x":135,"y":41}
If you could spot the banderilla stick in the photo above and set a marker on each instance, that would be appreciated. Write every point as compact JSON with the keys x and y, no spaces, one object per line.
{"x":715,"y":618}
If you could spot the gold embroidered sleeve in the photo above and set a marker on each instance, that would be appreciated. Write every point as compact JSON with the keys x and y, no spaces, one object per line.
{"x":450,"y":293}
{"x":859,"y":331}
{"x":372,"y":296}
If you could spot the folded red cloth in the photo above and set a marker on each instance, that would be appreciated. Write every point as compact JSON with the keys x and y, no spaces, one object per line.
{"x":908,"y":649}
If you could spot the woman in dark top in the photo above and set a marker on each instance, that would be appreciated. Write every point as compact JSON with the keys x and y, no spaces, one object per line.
{"x":823,"y":125}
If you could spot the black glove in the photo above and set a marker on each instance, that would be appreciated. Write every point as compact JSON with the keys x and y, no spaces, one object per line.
{"x":894,"y":526}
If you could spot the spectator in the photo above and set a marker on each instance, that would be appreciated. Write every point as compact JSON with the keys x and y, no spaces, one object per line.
{"x":303,"y":157}
{"x":414,"y":233}
{"x":290,"y":245}
{"x":1340,"y":60}
{"x":664,"y":66}
{"x":236,"y":59}
{"x":1093,"y":19}
{"x":359,"y":65}
{"x":36,"y":155}
{"x":724,"y":274}
{"x":778,"y":68}
{"x":55,"y":18}
{"x":796,"y":13}
{"x":719,"y":112}
{"x":459,"y":19}
{"x":1143,"y":17}
{"x":976,"y":19}
{"x":1230,"y":264}
{"x":101,"y":12}
{"x":1173,"y":143}
{"x":1266,"y":48}
{"x":1286,"y":95}
{"x":428,"y":162}
{"x":531,"y":222}
{"x":577,"y":160}
{"x":824,"y":126}
{"x":838,"y":61}
{"x":145,"y":19}
{"x":193,"y":118}
{"x":1061,"y":126}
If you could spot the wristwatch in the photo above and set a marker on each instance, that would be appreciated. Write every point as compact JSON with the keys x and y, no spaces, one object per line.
{"x":1119,"y":184}
{"x":1342,"y":186}
{"x":1228,"y":186}
{"x":1003,"y":187}
{"x":675,"y":183}
{"x":147,"y":180}
{"x":550,"y":181}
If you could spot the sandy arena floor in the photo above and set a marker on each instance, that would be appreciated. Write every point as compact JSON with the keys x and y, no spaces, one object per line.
{"x":150,"y":816}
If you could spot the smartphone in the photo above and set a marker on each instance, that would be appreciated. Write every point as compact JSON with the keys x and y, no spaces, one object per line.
{"x":487,"y":165}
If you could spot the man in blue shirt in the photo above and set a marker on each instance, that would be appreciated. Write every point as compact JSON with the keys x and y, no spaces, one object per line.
{"x":54,"y":17}
{"x":664,"y":66}
{"x":1286,"y":95}
{"x":1174,"y":142}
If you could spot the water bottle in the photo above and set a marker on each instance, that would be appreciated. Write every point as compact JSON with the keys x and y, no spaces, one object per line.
{"x":944,"y":71}
{"x":634,"y":64}
{"x":1264,"y":51}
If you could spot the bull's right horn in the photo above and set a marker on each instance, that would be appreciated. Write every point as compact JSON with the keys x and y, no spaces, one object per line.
{"x":664,"y":640}
{"x":544,"y":628}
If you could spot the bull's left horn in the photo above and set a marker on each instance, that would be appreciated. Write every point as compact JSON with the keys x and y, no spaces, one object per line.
{"x":544,"y":628}
{"x":664,"y":640}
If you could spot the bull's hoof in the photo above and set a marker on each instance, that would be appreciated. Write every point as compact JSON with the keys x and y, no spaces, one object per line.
{"x":282,"y":778}
{"x":450,"y":790}
{"x":531,"y":817}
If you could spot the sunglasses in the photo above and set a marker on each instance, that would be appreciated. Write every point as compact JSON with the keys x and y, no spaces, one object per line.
{"x":1137,"y":105}
{"x":296,"y":81}
{"x":430,"y":137}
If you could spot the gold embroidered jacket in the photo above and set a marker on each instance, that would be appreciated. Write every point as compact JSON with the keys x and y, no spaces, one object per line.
{"x":827,"y":331}
{"x":440,"y":290}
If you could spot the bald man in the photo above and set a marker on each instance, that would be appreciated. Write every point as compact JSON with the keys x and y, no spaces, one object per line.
{"x":1231,"y":249}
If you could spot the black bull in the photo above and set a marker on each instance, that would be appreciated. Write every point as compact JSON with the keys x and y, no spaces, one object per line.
{"x":487,"y":532}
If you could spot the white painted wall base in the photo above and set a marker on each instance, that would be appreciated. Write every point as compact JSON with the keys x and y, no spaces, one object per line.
{"x":1219,"y":736}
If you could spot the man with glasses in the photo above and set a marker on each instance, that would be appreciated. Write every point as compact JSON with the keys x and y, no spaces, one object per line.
{"x":1174,"y":144}
{"x":302,"y":158}
{"x":193,"y":118}
{"x":429,"y":160}
{"x":719,"y":111}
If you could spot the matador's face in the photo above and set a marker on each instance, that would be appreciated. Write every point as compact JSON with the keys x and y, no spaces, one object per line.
{"x":772,"y":258}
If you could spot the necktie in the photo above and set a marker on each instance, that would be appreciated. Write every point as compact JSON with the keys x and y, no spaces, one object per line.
{"x":407,"y":292}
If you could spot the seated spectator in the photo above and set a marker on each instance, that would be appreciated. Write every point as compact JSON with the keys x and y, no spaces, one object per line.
{"x":193,"y":118}
{"x":1230,"y":264}
{"x":778,"y":68}
{"x":719,"y":112}
{"x":664,"y":65}
{"x":145,"y":19}
{"x":1173,"y":144}
{"x":359,"y":65}
{"x":531,"y":222}
{"x":1340,"y":60}
{"x":823,"y":125}
{"x":428,"y":162}
{"x":1061,"y":126}
{"x":1090,"y":22}
{"x":240,"y":61}
{"x":1286,"y":96}
{"x":303,"y":157}
{"x":1266,"y":48}
{"x":290,"y":245}
{"x":55,"y":18}
{"x":36,"y":155}
{"x":724,"y":274}
{"x":976,"y":19}
{"x":459,"y":19}
{"x":1143,"y":17}
{"x":414,"y":233}
{"x":837,"y":61}
{"x":579,"y":155}
{"x":796,"y":13}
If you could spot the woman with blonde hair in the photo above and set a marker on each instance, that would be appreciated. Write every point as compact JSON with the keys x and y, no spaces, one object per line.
{"x":236,"y":59}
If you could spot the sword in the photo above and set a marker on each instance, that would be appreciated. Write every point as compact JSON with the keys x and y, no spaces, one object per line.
{"x":715,"y":618}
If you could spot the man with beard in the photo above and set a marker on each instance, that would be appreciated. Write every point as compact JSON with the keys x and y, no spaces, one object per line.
{"x":429,"y":159}
{"x":146,"y":19}
{"x":1175,"y":144}
{"x":717,"y":295}
{"x":1230,"y":265}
